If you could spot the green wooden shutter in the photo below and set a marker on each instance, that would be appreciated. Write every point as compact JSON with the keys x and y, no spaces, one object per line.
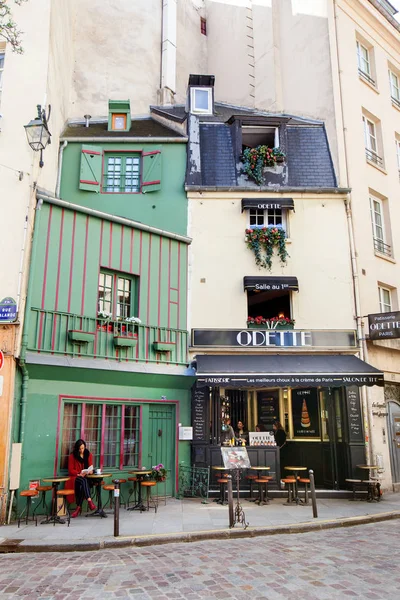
{"x":90,"y":174}
{"x":151,"y":180}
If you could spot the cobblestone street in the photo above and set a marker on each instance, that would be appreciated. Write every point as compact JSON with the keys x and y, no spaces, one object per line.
{"x":358,"y":562}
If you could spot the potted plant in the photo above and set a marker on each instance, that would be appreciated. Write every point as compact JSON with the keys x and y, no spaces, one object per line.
{"x":125,"y":336}
{"x":104,"y":321}
{"x":159,"y":472}
{"x":256,"y":159}
{"x":263,"y":240}
{"x":279,"y":322}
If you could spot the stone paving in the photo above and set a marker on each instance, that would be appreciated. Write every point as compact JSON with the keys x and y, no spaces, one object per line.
{"x":357,"y":562}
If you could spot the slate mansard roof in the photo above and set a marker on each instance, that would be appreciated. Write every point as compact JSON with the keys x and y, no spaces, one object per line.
{"x":213,"y":160}
{"x":140,"y":128}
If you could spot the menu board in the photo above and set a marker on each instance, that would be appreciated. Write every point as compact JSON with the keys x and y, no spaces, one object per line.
{"x":268,"y":409}
{"x":305,"y":413}
{"x":200,"y":398}
{"x":354,"y":415}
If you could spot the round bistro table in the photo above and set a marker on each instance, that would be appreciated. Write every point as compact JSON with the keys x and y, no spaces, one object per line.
{"x":140,"y":474}
{"x":295,"y":470}
{"x":53,"y":516}
{"x":97,"y":479}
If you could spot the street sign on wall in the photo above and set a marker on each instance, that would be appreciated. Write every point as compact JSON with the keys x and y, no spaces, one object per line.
{"x":8,"y":310}
{"x":382,"y":326}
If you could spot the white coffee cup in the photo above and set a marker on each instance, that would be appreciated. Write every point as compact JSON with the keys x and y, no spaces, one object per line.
{"x":98,"y":471}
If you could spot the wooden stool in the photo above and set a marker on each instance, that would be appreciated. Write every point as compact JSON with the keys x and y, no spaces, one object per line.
{"x":266,"y":478}
{"x":63,"y":494}
{"x":306,"y":483}
{"x":289,"y":481}
{"x":133,"y":491}
{"x":262,"y":485}
{"x":43,"y":489}
{"x":110,"y":487}
{"x":251,"y":479}
{"x":148,"y":485}
{"x":222,"y":488}
{"x":28,"y":494}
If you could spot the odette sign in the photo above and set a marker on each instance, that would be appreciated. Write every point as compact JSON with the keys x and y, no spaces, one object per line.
{"x":384,"y":326}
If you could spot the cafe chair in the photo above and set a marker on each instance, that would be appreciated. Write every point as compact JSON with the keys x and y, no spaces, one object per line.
{"x":42,"y":489}
{"x":306,"y":482}
{"x":132,"y":491}
{"x":28,"y":494}
{"x":251,"y":479}
{"x":65,"y":504}
{"x":150,"y":500}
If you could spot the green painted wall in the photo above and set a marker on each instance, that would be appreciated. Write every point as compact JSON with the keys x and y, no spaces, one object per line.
{"x":165,"y":208}
{"x":47,"y":384}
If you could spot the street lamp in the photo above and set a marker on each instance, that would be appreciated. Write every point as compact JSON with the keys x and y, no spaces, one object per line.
{"x":37,"y":132}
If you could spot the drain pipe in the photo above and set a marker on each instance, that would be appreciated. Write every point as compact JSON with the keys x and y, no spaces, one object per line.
{"x":362,"y":347}
{"x":60,"y":161}
{"x":24,"y":340}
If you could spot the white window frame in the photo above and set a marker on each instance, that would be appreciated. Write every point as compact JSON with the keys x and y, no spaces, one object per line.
{"x":363,"y":60}
{"x":371,"y":141}
{"x":194,"y":108}
{"x":394,"y":86}
{"x":384,"y":307}
{"x":262,"y":215}
{"x":375,"y":225}
{"x":397,"y":142}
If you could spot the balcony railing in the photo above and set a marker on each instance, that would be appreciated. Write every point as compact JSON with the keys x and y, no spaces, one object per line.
{"x":373,"y":157}
{"x":365,"y":76}
{"x":383,"y":248}
{"x":395,"y":102}
{"x":53,"y":332}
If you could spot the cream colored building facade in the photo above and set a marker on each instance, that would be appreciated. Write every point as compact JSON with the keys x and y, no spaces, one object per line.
{"x":280,"y":56}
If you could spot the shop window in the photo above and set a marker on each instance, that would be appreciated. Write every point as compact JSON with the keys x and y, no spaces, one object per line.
{"x":117,"y":296}
{"x":259,"y":136}
{"x":100,"y":426}
{"x":268,"y":304}
{"x":272,"y":217}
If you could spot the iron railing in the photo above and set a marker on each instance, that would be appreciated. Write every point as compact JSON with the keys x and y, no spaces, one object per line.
{"x":395,"y":101}
{"x":383,"y":248}
{"x":374,"y":157}
{"x":57,"y":332}
{"x":193,"y":482}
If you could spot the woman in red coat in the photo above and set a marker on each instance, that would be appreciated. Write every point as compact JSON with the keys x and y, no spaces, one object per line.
{"x":78,"y":460}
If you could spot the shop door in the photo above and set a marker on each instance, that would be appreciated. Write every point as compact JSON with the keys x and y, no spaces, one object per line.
{"x":333,"y":449}
{"x":394,"y":429}
{"x":162,"y":442}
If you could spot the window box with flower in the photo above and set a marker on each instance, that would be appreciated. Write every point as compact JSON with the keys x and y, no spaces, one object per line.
{"x":256,"y":159}
{"x":263,"y":240}
{"x":279,"y":322}
{"x":125,"y":332}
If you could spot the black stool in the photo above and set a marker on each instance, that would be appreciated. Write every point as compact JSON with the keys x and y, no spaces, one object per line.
{"x":222,"y":489}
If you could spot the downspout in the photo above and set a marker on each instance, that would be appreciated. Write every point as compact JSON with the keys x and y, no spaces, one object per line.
{"x":24,"y":339}
{"x":362,"y":347}
{"x":60,"y":161}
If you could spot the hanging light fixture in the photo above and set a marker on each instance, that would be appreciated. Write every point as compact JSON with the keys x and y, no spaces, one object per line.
{"x":37,"y":132}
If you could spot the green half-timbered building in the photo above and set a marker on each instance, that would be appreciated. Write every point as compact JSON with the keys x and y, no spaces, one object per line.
{"x":104,"y":352}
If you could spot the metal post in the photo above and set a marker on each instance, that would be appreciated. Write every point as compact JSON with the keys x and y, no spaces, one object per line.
{"x":313,"y":496}
{"x":116,"y":483}
{"x":230,"y":501}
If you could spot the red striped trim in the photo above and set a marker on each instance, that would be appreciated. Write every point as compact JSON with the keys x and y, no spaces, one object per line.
{"x":159,"y":282}
{"x":140,"y":437}
{"x":83,"y":416}
{"x":57,"y":436}
{"x":84,"y":268}
{"x":131,"y":250}
{"x":110,"y":247}
{"x":121,"y":446}
{"x":150,"y":182}
{"x":148,"y":297}
{"x":121,"y":248}
{"x":46,"y":259}
{"x":89,"y":182}
{"x":179,"y":286}
{"x":59,"y":258}
{"x":91,"y":152}
{"x":71,"y":264}
{"x":169,"y":284}
{"x":150,"y":153}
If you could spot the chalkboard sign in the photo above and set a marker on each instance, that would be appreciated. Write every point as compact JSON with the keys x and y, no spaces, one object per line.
{"x":268,"y":409}
{"x":354,"y":415}
{"x":200,"y":399}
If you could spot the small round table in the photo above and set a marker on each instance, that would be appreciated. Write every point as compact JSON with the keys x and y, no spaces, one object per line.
{"x":295,"y":470}
{"x":140,"y":475}
{"x":260,"y":500}
{"x":53,"y":517}
{"x":371,"y":486}
{"x":97,"y":479}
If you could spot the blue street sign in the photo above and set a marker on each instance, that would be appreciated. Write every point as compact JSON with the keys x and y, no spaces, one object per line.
{"x":8,"y":310}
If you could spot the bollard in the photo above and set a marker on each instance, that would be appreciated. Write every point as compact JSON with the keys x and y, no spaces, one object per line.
{"x":230,"y":501}
{"x":116,"y":483}
{"x":313,"y":496}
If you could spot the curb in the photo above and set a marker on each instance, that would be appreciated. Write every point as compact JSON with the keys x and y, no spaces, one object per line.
{"x":19,"y":546}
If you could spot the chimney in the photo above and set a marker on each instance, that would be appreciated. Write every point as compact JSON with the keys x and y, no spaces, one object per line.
{"x":87,"y":118}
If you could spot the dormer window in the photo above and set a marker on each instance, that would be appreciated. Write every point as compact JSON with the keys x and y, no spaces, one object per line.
{"x":201,"y":96}
{"x":119,"y":115}
{"x":253,"y":136}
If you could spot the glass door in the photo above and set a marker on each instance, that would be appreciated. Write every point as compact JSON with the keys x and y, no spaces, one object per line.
{"x":333,"y":455}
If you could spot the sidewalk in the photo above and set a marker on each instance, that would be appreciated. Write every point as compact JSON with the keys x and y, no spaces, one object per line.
{"x":190,"y":520}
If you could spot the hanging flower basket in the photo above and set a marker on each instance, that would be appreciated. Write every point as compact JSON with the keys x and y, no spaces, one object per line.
{"x":255,"y":159}
{"x":263,"y":241}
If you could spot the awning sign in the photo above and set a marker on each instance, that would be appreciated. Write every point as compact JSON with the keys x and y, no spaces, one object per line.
{"x":384,"y":326}
{"x":8,"y":310}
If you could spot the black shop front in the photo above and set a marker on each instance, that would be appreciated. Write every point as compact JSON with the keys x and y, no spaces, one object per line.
{"x":316,"y":397}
